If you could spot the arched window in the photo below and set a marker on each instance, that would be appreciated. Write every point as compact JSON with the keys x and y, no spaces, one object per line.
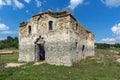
{"x":50,"y":25}
{"x":29,"y":29}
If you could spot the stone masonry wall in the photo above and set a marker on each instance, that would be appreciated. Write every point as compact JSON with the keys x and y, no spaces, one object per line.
{"x":56,"y":41}
{"x":63,"y":44}
{"x":57,"y":46}
{"x":80,"y":37}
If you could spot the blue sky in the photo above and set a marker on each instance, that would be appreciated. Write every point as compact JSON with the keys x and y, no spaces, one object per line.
{"x":102,"y":17}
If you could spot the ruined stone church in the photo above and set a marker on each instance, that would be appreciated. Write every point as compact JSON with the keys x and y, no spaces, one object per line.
{"x":54,"y":37}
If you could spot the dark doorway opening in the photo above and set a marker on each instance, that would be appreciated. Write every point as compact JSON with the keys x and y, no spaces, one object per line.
{"x":83,"y":47}
{"x":40,"y":52}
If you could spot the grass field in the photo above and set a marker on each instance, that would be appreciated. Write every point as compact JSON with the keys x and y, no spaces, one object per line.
{"x":101,"y":67}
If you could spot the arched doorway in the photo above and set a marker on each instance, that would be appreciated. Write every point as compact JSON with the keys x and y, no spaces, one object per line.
{"x":40,"y":52}
{"x":40,"y":49}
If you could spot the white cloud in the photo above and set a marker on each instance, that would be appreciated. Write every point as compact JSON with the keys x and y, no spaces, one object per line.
{"x":18,"y":4}
{"x":2,"y":39}
{"x":14,"y":3}
{"x":27,"y":1}
{"x":111,"y":3}
{"x":3,"y":27}
{"x":108,"y":40}
{"x":38,"y":3}
{"x":8,"y":2}
{"x":2,"y":3}
{"x":75,"y":3}
{"x":5,"y":2}
{"x":8,"y":32}
{"x":116,"y":29}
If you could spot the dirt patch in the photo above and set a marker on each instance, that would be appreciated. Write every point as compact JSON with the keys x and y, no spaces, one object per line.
{"x":118,"y":60}
{"x":38,"y":63}
{"x":116,"y":56}
{"x":5,"y":52}
{"x":14,"y":65}
{"x":20,"y":64}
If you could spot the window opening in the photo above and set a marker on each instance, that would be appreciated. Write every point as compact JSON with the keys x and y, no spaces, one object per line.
{"x":76,"y":26}
{"x":29,"y":29}
{"x":50,"y":25}
{"x":83,"y":48}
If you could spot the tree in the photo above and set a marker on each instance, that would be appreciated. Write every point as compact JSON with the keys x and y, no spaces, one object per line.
{"x":102,"y":45}
{"x":10,"y":42}
{"x":117,"y":45}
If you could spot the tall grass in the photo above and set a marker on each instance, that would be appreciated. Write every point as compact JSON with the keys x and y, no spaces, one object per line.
{"x":100,"y":67}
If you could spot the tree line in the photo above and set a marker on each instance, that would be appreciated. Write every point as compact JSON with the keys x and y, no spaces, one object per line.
{"x":12,"y":42}
{"x":104,"y":45}
{"x":9,"y":42}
